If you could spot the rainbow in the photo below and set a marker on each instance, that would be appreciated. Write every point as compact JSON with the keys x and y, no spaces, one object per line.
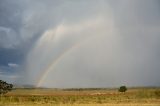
{"x":55,"y":61}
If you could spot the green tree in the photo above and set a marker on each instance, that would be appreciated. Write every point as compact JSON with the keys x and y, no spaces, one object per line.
{"x":5,"y":87}
{"x":122,"y":89}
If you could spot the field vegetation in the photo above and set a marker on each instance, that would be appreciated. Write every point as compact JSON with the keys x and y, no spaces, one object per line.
{"x":81,"y":97}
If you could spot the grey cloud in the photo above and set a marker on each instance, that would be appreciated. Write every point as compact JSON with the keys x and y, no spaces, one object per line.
{"x":99,"y":43}
{"x":8,"y":38}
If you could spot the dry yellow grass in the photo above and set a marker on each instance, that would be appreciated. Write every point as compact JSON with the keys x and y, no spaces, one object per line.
{"x":131,"y":104}
{"x":85,"y":97}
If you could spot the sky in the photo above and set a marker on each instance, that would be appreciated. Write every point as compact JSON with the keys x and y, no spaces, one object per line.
{"x":80,"y":43}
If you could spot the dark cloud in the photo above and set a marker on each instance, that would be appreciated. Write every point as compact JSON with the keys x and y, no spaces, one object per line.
{"x":11,"y":14}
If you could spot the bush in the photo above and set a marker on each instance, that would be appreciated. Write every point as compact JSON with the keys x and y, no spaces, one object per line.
{"x":157,"y":93}
{"x":122,"y":89}
{"x":5,"y":87}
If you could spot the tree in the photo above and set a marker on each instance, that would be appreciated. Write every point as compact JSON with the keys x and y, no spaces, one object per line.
{"x":122,"y":89}
{"x":5,"y":87}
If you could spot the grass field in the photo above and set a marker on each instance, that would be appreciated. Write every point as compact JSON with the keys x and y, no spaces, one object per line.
{"x":82,"y":97}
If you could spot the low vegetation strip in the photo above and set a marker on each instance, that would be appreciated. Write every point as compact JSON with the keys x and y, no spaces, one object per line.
{"x":109,"y":104}
{"x":49,"y":97}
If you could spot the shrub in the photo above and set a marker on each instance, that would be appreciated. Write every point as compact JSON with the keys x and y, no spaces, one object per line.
{"x":157,"y":93}
{"x":122,"y":89}
{"x":5,"y":87}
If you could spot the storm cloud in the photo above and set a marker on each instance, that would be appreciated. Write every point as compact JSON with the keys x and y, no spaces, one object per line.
{"x":105,"y":43}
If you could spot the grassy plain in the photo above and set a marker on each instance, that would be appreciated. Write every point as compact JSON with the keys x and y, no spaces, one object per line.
{"x":82,"y":97}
